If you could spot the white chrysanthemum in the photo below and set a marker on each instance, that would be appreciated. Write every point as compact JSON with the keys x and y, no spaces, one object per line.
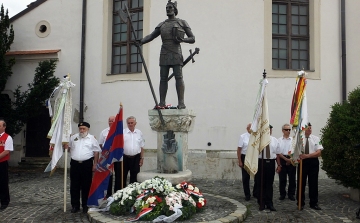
{"x":196,"y":189}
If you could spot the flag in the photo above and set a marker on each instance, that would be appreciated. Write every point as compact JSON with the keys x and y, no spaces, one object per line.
{"x":299,"y":116}
{"x":260,"y":131}
{"x":60,"y":130}
{"x":112,"y":152}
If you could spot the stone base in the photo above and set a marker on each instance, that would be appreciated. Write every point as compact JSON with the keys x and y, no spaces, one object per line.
{"x":174,"y":178}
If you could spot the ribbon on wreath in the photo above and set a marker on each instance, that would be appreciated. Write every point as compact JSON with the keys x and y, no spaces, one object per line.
{"x":185,"y":187}
{"x":142,"y":213}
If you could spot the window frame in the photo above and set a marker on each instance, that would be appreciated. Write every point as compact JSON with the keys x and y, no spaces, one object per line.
{"x":129,"y":43}
{"x":314,"y":43}
{"x":289,"y":36}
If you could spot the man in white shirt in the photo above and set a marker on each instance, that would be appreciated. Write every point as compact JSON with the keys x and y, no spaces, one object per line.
{"x":102,"y":138}
{"x":310,"y":168}
{"x":266,"y":171}
{"x":6,"y":146}
{"x":133,"y":150}
{"x":287,"y":170}
{"x":84,"y":150}
{"x":241,"y":152}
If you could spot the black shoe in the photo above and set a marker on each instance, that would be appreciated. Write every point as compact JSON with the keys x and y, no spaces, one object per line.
{"x":291,"y":197}
{"x":3,"y":207}
{"x":271,"y":208}
{"x":281,"y":197}
{"x":261,"y":208}
{"x":75,"y":209}
{"x":85,"y":210}
{"x":315,"y":207}
{"x":247,"y":198}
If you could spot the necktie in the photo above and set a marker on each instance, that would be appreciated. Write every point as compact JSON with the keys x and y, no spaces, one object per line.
{"x":267,"y":152}
{"x":307,"y":146}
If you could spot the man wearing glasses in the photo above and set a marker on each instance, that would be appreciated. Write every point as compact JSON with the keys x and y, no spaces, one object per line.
{"x":287,"y":170}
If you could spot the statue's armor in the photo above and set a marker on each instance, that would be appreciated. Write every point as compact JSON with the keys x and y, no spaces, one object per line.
{"x":170,"y":53}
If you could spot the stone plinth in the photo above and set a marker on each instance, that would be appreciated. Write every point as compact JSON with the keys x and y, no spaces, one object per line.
{"x":172,"y":143}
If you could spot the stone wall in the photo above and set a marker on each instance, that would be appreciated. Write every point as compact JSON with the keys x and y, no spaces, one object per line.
{"x":211,"y":164}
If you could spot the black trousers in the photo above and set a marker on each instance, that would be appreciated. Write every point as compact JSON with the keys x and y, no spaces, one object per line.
{"x":117,"y":186}
{"x":131,"y":164}
{"x":4,"y":183}
{"x":287,"y":171}
{"x":80,"y":181}
{"x":310,"y":172}
{"x":245,"y":178}
{"x":268,"y":173}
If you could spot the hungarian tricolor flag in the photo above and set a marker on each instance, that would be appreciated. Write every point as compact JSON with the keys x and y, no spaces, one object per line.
{"x":112,"y":152}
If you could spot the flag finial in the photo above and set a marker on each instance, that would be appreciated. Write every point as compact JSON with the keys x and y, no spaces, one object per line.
{"x":264,"y":74}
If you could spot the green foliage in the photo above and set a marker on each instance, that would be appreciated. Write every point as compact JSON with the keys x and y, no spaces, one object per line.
{"x":6,"y":39}
{"x":27,"y":103}
{"x":117,"y":209}
{"x":340,"y":160}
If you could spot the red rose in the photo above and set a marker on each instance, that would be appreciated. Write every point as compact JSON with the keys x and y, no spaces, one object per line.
{"x":198,"y":205}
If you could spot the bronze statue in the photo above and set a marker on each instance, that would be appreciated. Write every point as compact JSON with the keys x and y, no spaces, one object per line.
{"x":172,"y":33}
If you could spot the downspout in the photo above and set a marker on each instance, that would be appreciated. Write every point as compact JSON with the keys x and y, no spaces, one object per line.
{"x":82,"y":62}
{"x":343,"y":51}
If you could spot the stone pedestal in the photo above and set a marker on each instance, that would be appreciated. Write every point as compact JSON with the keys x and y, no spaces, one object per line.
{"x":172,"y":144}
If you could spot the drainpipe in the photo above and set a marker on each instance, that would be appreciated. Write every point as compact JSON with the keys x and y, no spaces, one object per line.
{"x":82,"y":62}
{"x":343,"y":51}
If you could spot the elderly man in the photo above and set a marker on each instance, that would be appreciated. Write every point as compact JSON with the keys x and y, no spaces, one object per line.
{"x":310,"y":168}
{"x":102,"y":138}
{"x":133,"y":150}
{"x":172,"y":33}
{"x":84,"y":150}
{"x":266,"y":173}
{"x":6,"y":145}
{"x":288,"y":170}
{"x":241,"y":153}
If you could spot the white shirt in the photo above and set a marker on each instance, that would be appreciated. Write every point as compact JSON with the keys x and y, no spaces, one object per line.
{"x":314,"y":144}
{"x":9,"y":145}
{"x":103,"y":136}
{"x":285,"y":145}
{"x":274,"y":149}
{"x":133,"y":142}
{"x":83,"y":148}
{"x":243,"y":142}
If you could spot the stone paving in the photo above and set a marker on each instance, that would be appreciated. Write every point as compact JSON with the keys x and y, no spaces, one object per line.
{"x":36,"y":197}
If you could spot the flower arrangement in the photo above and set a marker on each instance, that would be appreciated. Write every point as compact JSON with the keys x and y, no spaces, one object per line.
{"x":195,"y":193}
{"x":124,"y":200}
{"x":156,"y":199}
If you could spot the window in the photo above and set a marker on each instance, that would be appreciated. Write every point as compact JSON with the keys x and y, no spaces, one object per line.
{"x":125,"y":56}
{"x":290,"y":35}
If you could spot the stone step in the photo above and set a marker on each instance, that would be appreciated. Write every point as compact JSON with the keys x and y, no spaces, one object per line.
{"x":34,"y":162}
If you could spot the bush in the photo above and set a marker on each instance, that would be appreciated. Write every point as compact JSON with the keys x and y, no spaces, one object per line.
{"x":341,"y":160}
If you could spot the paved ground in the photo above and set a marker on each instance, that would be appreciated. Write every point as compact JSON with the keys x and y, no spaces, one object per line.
{"x":37,"y":198}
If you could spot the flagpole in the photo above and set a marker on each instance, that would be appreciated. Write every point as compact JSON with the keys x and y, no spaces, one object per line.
{"x":262,"y":170}
{"x":65,"y":178}
{"x":262,"y":182}
{"x":122,"y":174}
{"x":300,"y":185}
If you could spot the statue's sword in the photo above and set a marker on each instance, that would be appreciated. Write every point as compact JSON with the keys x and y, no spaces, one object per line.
{"x":191,"y":57}
{"x":125,"y":16}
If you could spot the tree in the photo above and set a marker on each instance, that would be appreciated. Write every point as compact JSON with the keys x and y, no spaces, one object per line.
{"x":28,"y":103}
{"x":341,"y":160}
{"x":6,"y":39}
